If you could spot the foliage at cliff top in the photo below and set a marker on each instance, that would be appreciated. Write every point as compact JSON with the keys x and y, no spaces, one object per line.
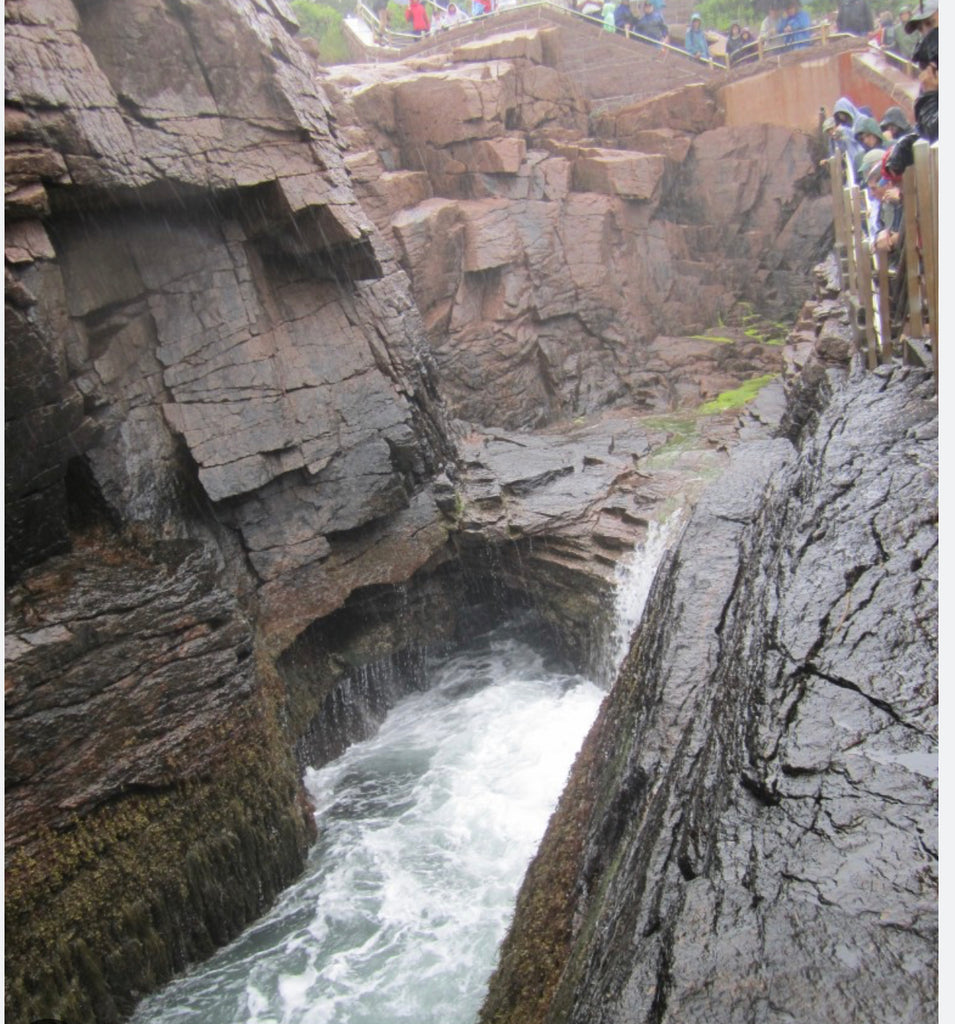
{"x":718,"y":15}
{"x":323,"y":22}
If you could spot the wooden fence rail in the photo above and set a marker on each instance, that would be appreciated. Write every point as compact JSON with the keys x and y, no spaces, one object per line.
{"x":896,"y":307}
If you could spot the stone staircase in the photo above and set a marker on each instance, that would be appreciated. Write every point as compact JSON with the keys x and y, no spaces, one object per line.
{"x":609,"y":69}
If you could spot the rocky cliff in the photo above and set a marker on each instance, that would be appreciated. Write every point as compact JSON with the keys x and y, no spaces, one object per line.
{"x":250,"y":306}
{"x":750,"y":832}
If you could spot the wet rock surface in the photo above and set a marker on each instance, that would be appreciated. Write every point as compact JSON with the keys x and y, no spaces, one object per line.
{"x":751,"y":830}
{"x":132,"y":645}
{"x":243,"y":295}
{"x":561,"y":258}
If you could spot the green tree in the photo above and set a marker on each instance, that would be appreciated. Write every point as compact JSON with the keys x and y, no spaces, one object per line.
{"x":324,"y":22}
{"x":720,"y":14}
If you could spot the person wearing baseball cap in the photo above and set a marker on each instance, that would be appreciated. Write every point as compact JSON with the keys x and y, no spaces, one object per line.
{"x":923,"y":16}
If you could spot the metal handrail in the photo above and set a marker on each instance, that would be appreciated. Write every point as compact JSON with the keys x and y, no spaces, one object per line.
{"x":763,"y":47}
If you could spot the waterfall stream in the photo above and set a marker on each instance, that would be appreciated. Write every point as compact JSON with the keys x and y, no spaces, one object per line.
{"x":425,"y":832}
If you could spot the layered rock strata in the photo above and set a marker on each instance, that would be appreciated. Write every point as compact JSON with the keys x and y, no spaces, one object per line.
{"x":750,"y":832}
{"x":235,"y":308}
{"x":220,"y":422}
{"x":556,"y":257}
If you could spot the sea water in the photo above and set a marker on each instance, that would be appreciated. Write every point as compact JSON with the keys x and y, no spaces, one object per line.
{"x":425,"y":832}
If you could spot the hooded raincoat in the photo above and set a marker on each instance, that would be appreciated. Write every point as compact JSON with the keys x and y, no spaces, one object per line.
{"x":695,"y":42}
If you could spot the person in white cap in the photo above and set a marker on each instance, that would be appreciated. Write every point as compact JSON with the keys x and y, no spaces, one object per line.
{"x":923,"y":16}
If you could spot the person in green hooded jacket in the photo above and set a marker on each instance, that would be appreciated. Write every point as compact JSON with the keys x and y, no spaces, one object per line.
{"x":869,"y":135}
{"x":695,"y":42}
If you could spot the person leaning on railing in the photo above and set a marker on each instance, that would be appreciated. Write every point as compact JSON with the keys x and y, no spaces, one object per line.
{"x":623,"y":18}
{"x":795,"y":26}
{"x":695,"y":42}
{"x":651,"y":25}
{"x":926,"y":106}
{"x":770,"y":24}
{"x":748,"y":50}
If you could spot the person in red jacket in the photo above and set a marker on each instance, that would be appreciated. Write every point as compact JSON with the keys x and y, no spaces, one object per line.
{"x":418,"y":16}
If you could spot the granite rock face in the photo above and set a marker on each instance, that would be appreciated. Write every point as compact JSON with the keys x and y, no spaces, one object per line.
{"x":750,"y":832}
{"x":205,"y":290}
{"x":556,"y":255}
{"x":221,"y":421}
{"x":240,"y":291}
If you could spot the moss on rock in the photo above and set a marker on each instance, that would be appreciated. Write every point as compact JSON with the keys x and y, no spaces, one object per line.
{"x":100,"y":913}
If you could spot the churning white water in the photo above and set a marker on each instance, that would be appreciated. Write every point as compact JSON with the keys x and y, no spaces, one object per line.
{"x":634,"y":578}
{"x":426,"y":831}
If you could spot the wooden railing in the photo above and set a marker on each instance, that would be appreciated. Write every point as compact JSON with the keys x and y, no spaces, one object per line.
{"x":898,"y":306}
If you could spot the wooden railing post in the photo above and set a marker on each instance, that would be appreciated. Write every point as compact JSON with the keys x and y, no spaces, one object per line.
{"x":926,"y":190}
{"x":910,"y":211}
{"x":839,"y":219}
{"x":853,"y":216}
{"x":885,"y":312}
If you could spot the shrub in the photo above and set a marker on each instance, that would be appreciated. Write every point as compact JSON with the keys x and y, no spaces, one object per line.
{"x":323,"y":22}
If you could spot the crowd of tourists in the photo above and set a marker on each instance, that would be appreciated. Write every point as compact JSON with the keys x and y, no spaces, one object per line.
{"x":786,"y":25}
{"x":876,"y":153}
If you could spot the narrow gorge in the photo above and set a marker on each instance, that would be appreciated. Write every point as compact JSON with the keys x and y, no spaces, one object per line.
{"x":316,"y":376}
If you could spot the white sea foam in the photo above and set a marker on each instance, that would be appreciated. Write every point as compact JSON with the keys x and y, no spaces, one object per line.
{"x":426,"y":830}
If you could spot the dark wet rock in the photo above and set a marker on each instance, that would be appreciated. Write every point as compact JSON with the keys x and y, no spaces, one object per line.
{"x":750,"y":832}
{"x":131,"y":644}
{"x":239,"y":289}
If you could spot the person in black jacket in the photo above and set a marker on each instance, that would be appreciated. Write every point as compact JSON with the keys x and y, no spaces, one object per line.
{"x":855,"y":16}
{"x":926,"y":106}
{"x":733,"y":41}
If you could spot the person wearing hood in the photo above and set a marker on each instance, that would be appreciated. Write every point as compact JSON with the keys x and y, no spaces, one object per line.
{"x":894,"y":124}
{"x":869,"y":136}
{"x":845,"y":114}
{"x":845,"y":111}
{"x":867,"y":131}
{"x":606,"y":15}
{"x":695,"y":42}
